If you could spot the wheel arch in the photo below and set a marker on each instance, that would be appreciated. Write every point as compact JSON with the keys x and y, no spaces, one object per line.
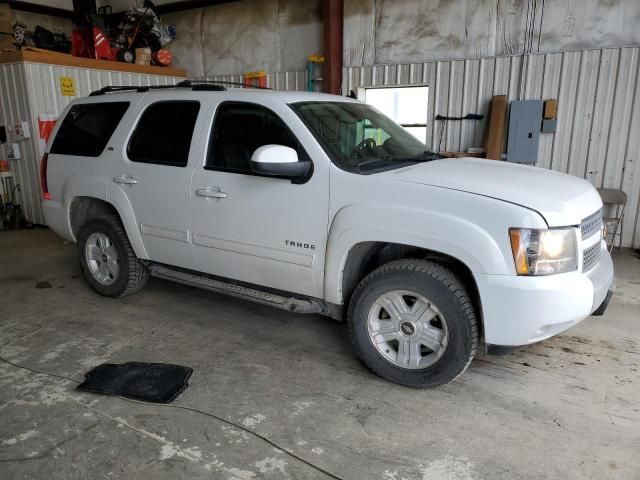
{"x":364,"y":257}
{"x":82,"y":208}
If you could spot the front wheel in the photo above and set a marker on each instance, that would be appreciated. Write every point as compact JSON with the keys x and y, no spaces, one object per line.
{"x":412,"y":322}
{"x":107,"y":259}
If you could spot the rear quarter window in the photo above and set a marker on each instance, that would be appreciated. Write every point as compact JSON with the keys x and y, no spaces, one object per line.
{"x":87,"y":128}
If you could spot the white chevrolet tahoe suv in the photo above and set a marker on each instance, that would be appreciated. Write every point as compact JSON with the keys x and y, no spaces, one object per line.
{"x":316,"y":203}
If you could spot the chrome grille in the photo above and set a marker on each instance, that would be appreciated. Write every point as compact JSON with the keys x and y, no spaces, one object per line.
{"x":590,"y":257}
{"x":591,"y":224}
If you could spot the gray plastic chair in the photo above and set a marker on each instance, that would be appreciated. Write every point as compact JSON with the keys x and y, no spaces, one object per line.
{"x":614,"y":202}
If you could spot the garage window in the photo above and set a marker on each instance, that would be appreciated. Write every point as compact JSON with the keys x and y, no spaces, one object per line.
{"x":87,"y":128}
{"x":239,"y":130}
{"x":163,"y":134}
{"x":406,"y":105}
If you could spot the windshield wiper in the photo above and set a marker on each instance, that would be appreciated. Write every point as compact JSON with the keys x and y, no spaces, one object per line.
{"x":421,"y":157}
{"x":425,"y":156}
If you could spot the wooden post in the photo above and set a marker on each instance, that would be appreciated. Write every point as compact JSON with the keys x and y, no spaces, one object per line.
{"x":496,"y":127}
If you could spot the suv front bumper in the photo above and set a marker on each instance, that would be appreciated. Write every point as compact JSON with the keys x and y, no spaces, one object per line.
{"x":523,"y":310}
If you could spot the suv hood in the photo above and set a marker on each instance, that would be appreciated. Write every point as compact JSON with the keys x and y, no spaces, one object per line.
{"x":561,"y":199}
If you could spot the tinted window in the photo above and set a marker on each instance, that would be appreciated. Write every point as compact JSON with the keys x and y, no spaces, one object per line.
{"x":87,"y":128}
{"x":163,"y":134}
{"x":239,"y":129}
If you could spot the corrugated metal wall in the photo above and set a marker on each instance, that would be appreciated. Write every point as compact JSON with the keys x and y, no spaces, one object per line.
{"x":291,"y":80}
{"x":14,"y":108}
{"x":598,"y":135}
{"x":30,"y":89}
{"x":598,"y":92}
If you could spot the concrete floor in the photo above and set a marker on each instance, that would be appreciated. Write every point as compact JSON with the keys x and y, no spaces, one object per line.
{"x":565,"y":408}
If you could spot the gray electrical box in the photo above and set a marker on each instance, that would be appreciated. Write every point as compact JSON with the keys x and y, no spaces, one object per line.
{"x":525,"y":120}
{"x":549,"y":125}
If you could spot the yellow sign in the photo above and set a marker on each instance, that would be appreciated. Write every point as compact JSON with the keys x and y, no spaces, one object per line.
{"x":67,"y":86}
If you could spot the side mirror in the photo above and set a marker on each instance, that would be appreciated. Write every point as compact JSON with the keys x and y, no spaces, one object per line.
{"x":278,"y":161}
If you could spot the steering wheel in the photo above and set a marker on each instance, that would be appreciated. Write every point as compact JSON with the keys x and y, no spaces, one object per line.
{"x":366,"y":143}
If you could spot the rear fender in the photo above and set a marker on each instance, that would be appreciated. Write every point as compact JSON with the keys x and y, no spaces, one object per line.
{"x":87,"y":186}
{"x":121,"y":202}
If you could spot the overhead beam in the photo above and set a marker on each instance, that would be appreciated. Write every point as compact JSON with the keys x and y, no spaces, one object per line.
{"x":333,"y":17}
{"x":164,"y":8}
{"x":41,"y":9}
{"x":189,"y":5}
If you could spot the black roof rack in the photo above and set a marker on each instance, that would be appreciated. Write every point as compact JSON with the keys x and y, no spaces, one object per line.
{"x":196,"y":85}
{"x":146,"y":88}
{"x":204,"y":83}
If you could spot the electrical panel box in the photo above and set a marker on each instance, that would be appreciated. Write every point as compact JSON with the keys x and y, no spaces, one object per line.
{"x":525,"y":120}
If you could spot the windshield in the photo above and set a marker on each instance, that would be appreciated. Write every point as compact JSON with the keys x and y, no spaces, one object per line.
{"x":360,"y":139}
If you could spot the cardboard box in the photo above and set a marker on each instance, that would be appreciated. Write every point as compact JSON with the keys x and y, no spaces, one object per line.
{"x":143,"y":55}
{"x":7,"y":42}
{"x":7,"y":19}
{"x":143,"y":62}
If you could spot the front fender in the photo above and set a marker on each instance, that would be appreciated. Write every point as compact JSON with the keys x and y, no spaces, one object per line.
{"x":437,"y":231}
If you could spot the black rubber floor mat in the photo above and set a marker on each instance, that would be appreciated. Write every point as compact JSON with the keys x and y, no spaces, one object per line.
{"x":149,"y":382}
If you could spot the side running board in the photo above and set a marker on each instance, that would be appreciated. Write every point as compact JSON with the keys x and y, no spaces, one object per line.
{"x":284,"y":303}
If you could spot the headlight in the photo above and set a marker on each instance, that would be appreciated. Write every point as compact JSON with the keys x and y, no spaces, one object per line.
{"x":544,"y":252}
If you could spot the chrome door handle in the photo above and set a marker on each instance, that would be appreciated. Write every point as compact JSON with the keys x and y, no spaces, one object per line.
{"x":127,"y":180}
{"x":211,"y":192}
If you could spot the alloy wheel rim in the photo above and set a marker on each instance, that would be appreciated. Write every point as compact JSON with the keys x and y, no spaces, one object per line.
{"x":407,"y":329}
{"x":102,"y":258}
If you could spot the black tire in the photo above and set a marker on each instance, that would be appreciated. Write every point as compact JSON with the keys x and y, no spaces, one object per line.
{"x":132,"y":275}
{"x":447,"y":293}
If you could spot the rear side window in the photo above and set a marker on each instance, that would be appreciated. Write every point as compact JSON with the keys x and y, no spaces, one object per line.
{"x":87,"y":128}
{"x":163,"y":134}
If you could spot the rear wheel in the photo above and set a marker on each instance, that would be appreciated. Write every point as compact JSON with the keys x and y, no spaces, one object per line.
{"x":412,"y":322}
{"x":107,"y":259}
